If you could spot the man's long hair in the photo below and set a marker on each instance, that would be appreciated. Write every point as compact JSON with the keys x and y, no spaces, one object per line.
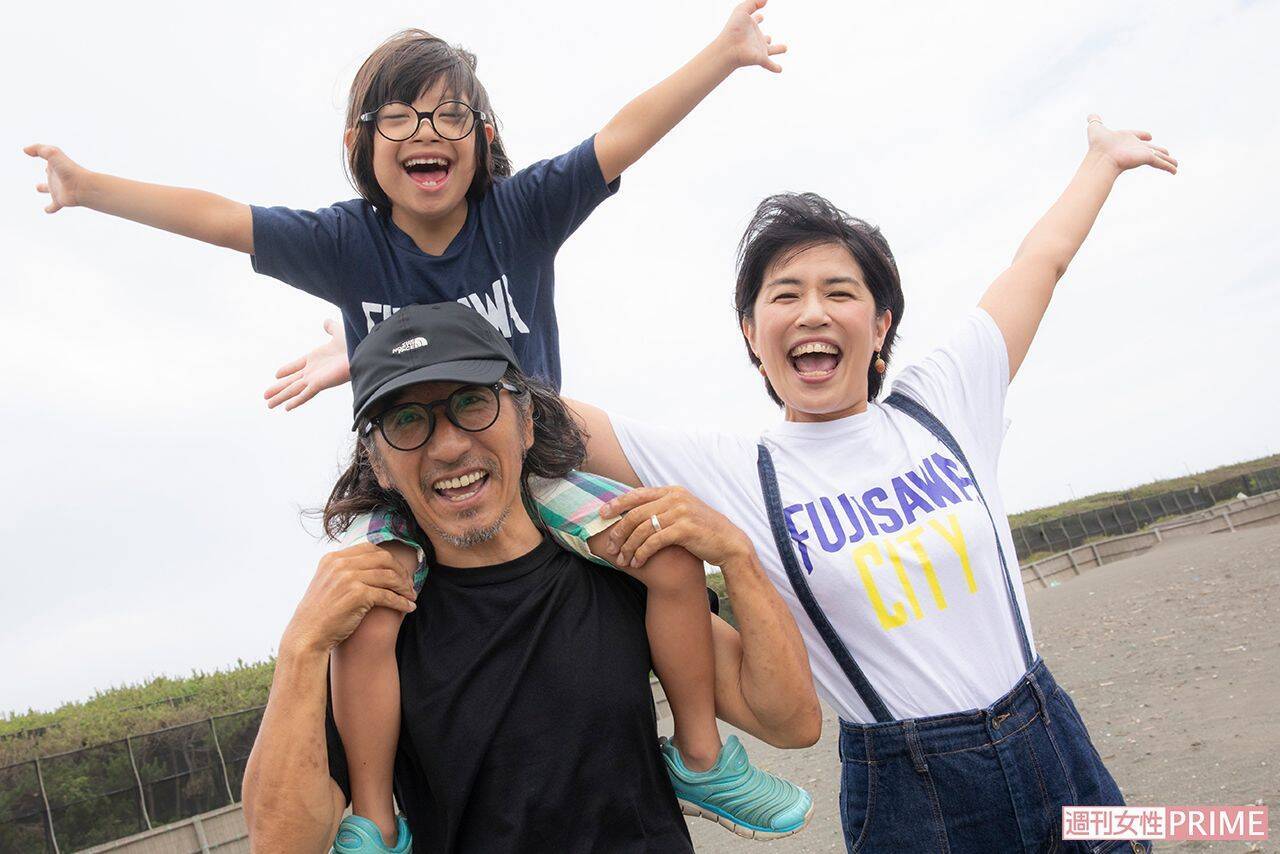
{"x":559,"y":446}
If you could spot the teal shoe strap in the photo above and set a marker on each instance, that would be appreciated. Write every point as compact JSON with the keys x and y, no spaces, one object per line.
{"x":359,"y":835}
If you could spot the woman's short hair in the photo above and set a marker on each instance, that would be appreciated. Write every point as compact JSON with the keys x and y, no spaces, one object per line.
{"x":788,"y":223}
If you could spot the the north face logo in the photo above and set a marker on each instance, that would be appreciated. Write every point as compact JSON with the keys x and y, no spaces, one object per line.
{"x":411,"y":344}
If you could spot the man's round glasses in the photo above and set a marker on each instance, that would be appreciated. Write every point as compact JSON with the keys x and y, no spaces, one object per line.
{"x":398,"y":121}
{"x":408,"y":426}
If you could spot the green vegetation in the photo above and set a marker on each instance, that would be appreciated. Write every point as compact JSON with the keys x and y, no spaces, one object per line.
{"x":1105,"y":499}
{"x":134,"y":709}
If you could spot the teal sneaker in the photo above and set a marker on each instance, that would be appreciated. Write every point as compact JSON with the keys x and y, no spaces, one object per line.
{"x":358,"y":835}
{"x":735,"y":794}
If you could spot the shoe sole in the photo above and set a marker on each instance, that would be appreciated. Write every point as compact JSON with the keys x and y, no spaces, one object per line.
{"x":692,"y":809}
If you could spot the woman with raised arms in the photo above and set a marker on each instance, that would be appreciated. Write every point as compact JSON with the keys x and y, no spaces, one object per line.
{"x":881,"y":522}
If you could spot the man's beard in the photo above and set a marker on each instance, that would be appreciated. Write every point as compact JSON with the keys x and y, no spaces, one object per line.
{"x":475,"y":536}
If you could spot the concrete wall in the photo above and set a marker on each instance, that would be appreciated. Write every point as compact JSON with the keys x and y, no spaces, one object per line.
{"x":220,"y":832}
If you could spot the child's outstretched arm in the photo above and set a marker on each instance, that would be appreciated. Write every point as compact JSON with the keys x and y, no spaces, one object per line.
{"x":191,"y":213}
{"x":640,"y":124}
{"x":1018,"y":298}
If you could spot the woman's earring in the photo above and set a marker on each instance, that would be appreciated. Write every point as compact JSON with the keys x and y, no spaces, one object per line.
{"x":763,"y":373}
{"x":879,"y":363}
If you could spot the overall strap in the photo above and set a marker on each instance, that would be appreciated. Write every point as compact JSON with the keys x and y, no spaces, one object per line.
{"x":799,"y":584}
{"x":930,"y":422}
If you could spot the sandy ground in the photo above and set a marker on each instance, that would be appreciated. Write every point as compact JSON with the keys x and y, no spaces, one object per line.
{"x":1173,"y":658}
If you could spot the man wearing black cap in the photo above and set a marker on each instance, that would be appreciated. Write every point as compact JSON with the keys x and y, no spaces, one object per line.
{"x":528,"y":722}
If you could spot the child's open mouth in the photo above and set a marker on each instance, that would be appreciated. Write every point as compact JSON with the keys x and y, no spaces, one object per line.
{"x":427,"y":172}
{"x":815,"y":360}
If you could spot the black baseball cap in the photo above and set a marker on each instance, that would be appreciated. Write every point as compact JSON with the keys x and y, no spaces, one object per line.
{"x":443,"y":342}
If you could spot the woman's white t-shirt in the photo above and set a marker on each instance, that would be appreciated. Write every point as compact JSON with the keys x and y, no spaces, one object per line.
{"x":887,"y":526}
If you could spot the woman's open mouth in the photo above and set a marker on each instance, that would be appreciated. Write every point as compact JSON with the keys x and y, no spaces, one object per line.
{"x":814,"y":361}
{"x":429,"y":173}
{"x":462,"y":488}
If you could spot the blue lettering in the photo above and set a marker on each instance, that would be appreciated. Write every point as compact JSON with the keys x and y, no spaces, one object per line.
{"x":857,"y":532}
{"x":932,"y":485}
{"x":951,"y":469}
{"x":894,"y":520}
{"x":798,"y":536}
{"x":836,"y":541}
{"x":909,"y":500}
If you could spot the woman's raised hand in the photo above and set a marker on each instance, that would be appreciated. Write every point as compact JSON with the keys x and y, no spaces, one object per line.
{"x":306,"y":376}
{"x":683,"y":520}
{"x":1128,"y":149}
{"x":62,"y":176}
{"x":746,"y":44}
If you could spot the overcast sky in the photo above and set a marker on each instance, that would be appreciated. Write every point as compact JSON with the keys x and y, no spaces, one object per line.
{"x":150,"y":510}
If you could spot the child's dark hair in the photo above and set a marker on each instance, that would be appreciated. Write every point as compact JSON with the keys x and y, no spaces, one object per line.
{"x":401,"y":69}
{"x":791,"y":222}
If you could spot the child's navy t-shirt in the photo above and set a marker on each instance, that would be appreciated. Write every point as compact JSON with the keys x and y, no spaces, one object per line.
{"x":500,"y":263}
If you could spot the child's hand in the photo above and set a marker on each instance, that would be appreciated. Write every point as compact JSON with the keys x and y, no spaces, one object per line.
{"x":1128,"y":149}
{"x":302,"y":379}
{"x":62,"y":176}
{"x":744,"y":41}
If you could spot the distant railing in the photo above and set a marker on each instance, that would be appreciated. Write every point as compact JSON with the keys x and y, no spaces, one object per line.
{"x":1229,"y":517}
{"x":1126,"y":517}
{"x":81,"y":798}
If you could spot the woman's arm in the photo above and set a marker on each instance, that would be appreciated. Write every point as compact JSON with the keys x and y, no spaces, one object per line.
{"x":1018,"y":298}
{"x":290,"y":801}
{"x":604,"y":452}
{"x":191,"y":213}
{"x":640,"y":124}
{"x":763,"y":682}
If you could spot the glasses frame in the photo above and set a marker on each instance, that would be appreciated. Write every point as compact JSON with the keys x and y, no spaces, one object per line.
{"x":478,"y":118}
{"x":496,"y":388}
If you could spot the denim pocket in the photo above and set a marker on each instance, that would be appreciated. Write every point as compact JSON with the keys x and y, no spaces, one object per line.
{"x":857,"y":799}
{"x":1091,"y":779}
{"x":1089,"y":775}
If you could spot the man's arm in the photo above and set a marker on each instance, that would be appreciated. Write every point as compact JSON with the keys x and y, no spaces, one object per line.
{"x":1018,"y":298}
{"x":191,"y":213}
{"x":290,"y":801}
{"x":763,"y":682}
{"x":640,"y":124}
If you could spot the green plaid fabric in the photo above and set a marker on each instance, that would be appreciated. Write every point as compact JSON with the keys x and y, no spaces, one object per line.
{"x":569,"y":508}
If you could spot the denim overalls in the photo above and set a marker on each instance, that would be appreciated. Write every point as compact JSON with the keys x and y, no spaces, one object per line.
{"x":985,"y":781}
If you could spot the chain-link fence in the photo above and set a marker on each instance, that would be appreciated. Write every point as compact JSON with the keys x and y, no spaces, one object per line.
{"x":1125,"y":517}
{"x":74,"y":800}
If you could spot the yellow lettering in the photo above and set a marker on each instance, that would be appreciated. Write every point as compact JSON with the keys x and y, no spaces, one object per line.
{"x":955,"y":539}
{"x":896,"y":560}
{"x":912,"y":538}
{"x":865,"y":553}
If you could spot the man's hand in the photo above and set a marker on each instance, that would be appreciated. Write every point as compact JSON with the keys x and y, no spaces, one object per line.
{"x":1128,"y":149}
{"x":743,"y":41}
{"x":302,"y":379}
{"x":683,"y":520}
{"x":347,"y":585}
{"x":63,"y":176}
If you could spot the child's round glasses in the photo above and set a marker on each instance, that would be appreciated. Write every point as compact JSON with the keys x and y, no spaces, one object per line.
{"x":398,"y":121}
